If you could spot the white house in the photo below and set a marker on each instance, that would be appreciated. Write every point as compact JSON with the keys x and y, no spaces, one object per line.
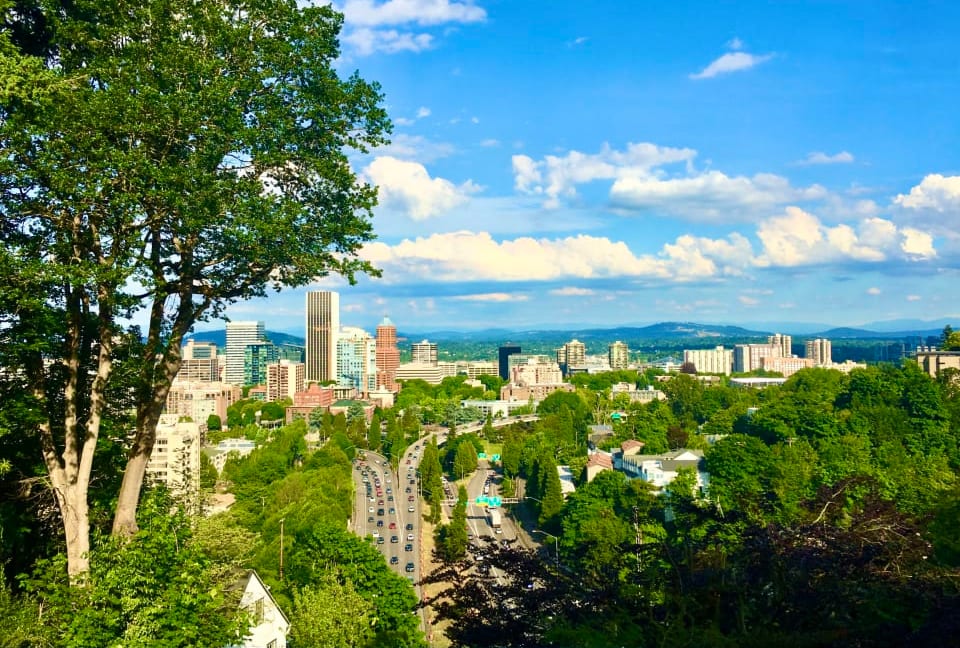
{"x":269,"y":625}
{"x":660,"y":470}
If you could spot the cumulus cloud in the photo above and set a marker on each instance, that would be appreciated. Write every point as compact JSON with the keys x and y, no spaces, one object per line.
{"x":798,"y":238}
{"x":365,"y":41}
{"x":710,"y":196}
{"x":558,"y":176}
{"x":731,"y":62}
{"x":572,"y":291}
{"x":935,"y":192}
{"x":370,"y":13}
{"x":408,"y":186}
{"x":818,"y":157}
{"x":422,"y":112}
{"x":492,"y":297}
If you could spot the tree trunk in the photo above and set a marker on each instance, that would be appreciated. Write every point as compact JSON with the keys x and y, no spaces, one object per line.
{"x":75,"y":513}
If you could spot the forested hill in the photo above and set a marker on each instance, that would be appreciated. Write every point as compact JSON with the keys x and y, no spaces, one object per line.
{"x":219,"y":337}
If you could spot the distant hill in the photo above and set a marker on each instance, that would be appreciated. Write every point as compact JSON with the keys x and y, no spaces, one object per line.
{"x":663,"y":330}
{"x":219,"y":337}
{"x":865,"y":334}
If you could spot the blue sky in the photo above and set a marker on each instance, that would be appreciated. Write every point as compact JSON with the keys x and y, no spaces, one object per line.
{"x":561,"y":163}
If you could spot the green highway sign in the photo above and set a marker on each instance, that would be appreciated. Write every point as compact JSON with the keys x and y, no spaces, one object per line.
{"x":495,"y":457}
{"x":481,"y":455}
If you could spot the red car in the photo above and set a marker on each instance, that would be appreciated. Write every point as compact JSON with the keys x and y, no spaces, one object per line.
{"x":393,"y":525}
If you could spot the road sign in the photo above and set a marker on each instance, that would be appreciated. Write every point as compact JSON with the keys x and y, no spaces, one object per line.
{"x":481,"y":501}
{"x":481,"y":455}
{"x":493,"y":501}
{"x":495,"y":457}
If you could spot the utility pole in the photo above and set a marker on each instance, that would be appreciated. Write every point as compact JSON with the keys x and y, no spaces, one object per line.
{"x":281,"y":548}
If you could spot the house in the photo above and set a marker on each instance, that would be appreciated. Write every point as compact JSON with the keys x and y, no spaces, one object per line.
{"x":598,"y":434}
{"x":631,"y":447}
{"x":567,"y":487}
{"x":660,"y":470}
{"x":269,"y":625}
{"x":598,"y":462}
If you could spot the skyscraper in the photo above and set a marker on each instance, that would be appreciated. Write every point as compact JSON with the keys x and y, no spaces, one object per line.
{"x":388,"y":355}
{"x":571,"y":354}
{"x":256,"y":358}
{"x":323,"y":324}
{"x":504,"y":354}
{"x":357,"y":359}
{"x":785,"y":342}
{"x":618,"y":355}
{"x":820,"y":351}
{"x":239,"y":335}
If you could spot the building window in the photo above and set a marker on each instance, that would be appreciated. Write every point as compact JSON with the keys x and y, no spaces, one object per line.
{"x":258,"y":611}
{"x":272,"y":644}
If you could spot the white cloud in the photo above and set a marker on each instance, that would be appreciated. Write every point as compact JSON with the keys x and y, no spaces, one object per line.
{"x":572,"y":291}
{"x":365,"y":41}
{"x":935,"y":192}
{"x":579,"y":40}
{"x":735,"y":44}
{"x":556,"y":176}
{"x":873,"y":291}
{"x":492,"y":297}
{"x":422,"y":112}
{"x":731,"y":62}
{"x":475,"y":120}
{"x":818,"y":157}
{"x":710,"y":196}
{"x":747,"y":300}
{"x":798,"y":238}
{"x":408,"y":185}
{"x":352,"y":308}
{"x":914,"y":298}
{"x":490,"y":143}
{"x":370,"y":13}
{"x":415,"y":147}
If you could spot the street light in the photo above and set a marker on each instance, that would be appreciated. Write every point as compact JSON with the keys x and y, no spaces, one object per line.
{"x":556,"y":545}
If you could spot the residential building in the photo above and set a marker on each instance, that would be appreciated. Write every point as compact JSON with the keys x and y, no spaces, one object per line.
{"x":239,"y":335}
{"x":495,"y":408}
{"x":536,"y":372}
{"x":219,"y":453}
{"x":647,"y":395}
{"x":820,"y":351}
{"x":256,"y":357}
{"x":618,"y":355}
{"x":424,"y":352}
{"x":175,"y":460}
{"x":517,"y":359}
{"x":388,"y":355}
{"x":933,"y":361}
{"x":711,"y":361}
{"x":503,"y":358}
{"x":661,"y":470}
{"x":597,"y":462}
{"x":199,"y":399}
{"x":357,"y":359}
{"x":571,"y":354}
{"x":785,"y":342}
{"x":199,"y":370}
{"x":475,"y":368}
{"x":269,"y":625}
{"x":323,"y":325}
{"x":285,"y":379}
{"x":534,"y":393}
{"x":749,"y":357}
{"x":786,"y":366}
{"x":567,"y":486}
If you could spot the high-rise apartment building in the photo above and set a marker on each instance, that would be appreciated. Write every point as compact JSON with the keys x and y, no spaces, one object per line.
{"x":388,"y":355}
{"x":820,"y":351}
{"x":424,"y":352}
{"x":175,"y":460}
{"x":194,"y":350}
{"x":749,"y":357}
{"x":239,"y":335}
{"x":503,"y":357}
{"x":357,"y":360}
{"x":710,"y":361}
{"x":618,"y":355}
{"x":571,"y":354}
{"x":285,"y":379}
{"x":323,"y":325}
{"x":785,"y":342}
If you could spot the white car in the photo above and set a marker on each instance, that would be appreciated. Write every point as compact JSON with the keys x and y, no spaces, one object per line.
{"x":410,"y":509}
{"x":370,"y":509}
{"x":410,"y":536}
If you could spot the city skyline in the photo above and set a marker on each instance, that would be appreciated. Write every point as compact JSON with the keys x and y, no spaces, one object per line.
{"x":608,"y":164}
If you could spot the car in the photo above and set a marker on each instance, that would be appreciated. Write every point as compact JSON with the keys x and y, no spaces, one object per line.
{"x":372,"y":500}
{"x":410,"y":537}
{"x":413,"y":481}
{"x":408,"y":462}
{"x":394,"y":560}
{"x":410,"y":509}
{"x":380,"y":512}
{"x":389,"y":491}
{"x":370,"y":509}
{"x":394,"y":539}
{"x":380,"y":540}
{"x":409,"y":527}
{"x":410,"y":567}
{"x":410,"y":498}
{"x":370,"y":519}
{"x":379,"y":523}
{"x":389,"y":498}
{"x":366,"y":480}
{"x":376,"y":534}
{"x":408,"y":490}
{"x":408,"y":547}
{"x":392,"y":510}
{"x":393,"y":525}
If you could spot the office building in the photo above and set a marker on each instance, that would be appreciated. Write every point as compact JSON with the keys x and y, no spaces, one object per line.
{"x":239,"y":335}
{"x":199,"y":370}
{"x":820,"y":351}
{"x":388,"y":355}
{"x":323,"y":325}
{"x":618,"y":355}
{"x":710,"y":361}
{"x":256,"y":358}
{"x":424,"y":352}
{"x":357,"y":359}
{"x":285,"y":379}
{"x":503,"y":357}
{"x":194,"y":350}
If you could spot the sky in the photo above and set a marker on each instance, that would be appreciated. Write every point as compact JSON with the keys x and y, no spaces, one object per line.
{"x":606,"y":163}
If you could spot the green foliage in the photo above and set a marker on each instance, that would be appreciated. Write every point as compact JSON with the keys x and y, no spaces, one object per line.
{"x":331,"y":614}
{"x":208,"y":473}
{"x":452,"y":538}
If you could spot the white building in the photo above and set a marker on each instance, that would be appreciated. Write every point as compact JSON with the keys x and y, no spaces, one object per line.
{"x":199,"y":399}
{"x":269,"y":624}
{"x":221,"y":452}
{"x":357,"y":359}
{"x":430,"y":373}
{"x":661,"y":470}
{"x":820,"y":351}
{"x":749,"y":357}
{"x":618,"y":355}
{"x":785,"y":342}
{"x":424,"y":352}
{"x":175,"y":460}
{"x":285,"y":379}
{"x":710,"y":361}
{"x":239,"y":335}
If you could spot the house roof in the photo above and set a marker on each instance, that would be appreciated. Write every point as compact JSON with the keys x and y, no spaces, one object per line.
{"x":600,"y":459}
{"x":245,"y":583}
{"x":631,"y":444}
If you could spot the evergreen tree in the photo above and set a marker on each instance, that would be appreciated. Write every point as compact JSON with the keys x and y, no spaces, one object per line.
{"x":552,"y":493}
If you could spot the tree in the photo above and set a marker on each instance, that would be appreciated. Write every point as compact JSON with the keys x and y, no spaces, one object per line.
{"x":213,"y":423}
{"x":453,"y":536}
{"x":189,"y":156}
{"x":331,"y":614}
{"x":465,"y":460}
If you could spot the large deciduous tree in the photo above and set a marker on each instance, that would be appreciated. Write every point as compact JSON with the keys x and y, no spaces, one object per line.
{"x":160,"y":160}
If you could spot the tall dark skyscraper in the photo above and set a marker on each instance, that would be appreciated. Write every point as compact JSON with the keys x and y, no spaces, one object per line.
{"x":323,"y":324}
{"x":504,"y":354}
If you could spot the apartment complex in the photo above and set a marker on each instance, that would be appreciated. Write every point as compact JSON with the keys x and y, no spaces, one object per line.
{"x":239,"y":335}
{"x":424,"y":352}
{"x":199,"y":399}
{"x":322,"y":327}
{"x":571,"y":354}
{"x":820,"y":351}
{"x":356,"y":359}
{"x":285,"y":379}
{"x":618,"y":355}
{"x":175,"y":460}
{"x":710,"y":361}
